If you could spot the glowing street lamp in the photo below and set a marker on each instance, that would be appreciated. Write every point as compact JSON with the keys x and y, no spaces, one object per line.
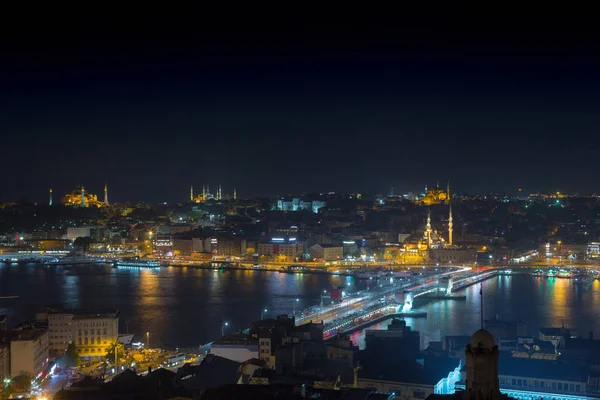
{"x":148,"y":340}
{"x":262,"y":315}
{"x":294,"y":303}
{"x":223,"y":328}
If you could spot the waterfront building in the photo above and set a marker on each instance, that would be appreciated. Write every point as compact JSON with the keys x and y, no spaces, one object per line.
{"x":327,"y":252}
{"x":29,"y":352}
{"x":453,"y":255}
{"x":283,"y":248}
{"x":92,"y":231}
{"x":93,"y":332}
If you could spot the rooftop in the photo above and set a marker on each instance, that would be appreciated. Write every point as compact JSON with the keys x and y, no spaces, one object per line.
{"x":431,"y":373}
{"x":28,"y":334}
{"x":541,"y":369}
{"x":238,"y":339}
{"x":83,"y":313}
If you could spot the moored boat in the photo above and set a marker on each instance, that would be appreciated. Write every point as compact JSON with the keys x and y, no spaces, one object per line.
{"x":136,"y":262}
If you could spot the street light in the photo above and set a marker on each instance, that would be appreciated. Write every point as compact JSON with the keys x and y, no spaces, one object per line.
{"x":223,"y":328}
{"x":148,"y":340}
{"x":262,"y":315}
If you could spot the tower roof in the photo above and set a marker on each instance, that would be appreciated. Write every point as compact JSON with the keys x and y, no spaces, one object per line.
{"x":482,"y":338}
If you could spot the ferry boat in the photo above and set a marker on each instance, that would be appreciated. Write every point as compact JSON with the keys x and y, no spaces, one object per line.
{"x":136,"y":262}
{"x":294,"y":269}
{"x":563,"y":273}
{"x":551,"y":273}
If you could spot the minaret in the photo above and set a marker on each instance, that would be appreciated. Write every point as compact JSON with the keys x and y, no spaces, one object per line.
{"x":50,"y":202}
{"x":450,"y":226}
{"x":450,"y":220}
{"x":82,"y":196}
{"x":105,"y":194}
{"x":191,"y":192}
{"x":207,"y":189}
{"x":234,"y":193}
{"x":219,"y":193}
{"x":428,"y":228}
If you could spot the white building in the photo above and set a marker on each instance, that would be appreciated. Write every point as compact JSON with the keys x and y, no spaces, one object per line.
{"x":95,"y":232}
{"x":92,"y":332}
{"x":290,"y":250}
{"x":73,"y":233}
{"x":235,"y":347}
{"x":29,"y":352}
{"x":326,"y":252}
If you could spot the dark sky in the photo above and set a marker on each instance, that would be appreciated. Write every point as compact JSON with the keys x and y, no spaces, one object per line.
{"x":152,"y":106}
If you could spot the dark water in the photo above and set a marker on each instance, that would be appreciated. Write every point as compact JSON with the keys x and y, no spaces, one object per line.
{"x":185,"y":307}
{"x":180,"y":307}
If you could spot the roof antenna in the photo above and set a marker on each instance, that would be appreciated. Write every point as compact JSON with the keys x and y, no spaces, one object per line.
{"x":481,"y":296}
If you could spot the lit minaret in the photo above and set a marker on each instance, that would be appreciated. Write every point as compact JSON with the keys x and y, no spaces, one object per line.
{"x":82,"y":196}
{"x":219,"y":193}
{"x":191,"y":192}
{"x":50,"y":202}
{"x":428,"y":228}
{"x":234,"y":193}
{"x":450,"y":221}
{"x":105,"y":194}
{"x":204,"y":192}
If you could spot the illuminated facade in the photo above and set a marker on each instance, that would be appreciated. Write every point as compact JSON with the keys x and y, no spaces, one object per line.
{"x":435,"y":196}
{"x":206,"y":194}
{"x":81,"y":198}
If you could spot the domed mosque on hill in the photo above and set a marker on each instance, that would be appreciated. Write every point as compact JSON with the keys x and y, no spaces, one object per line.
{"x":435,"y":196}
{"x":81,"y":198}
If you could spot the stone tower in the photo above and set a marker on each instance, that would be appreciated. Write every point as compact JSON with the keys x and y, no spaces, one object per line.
{"x":482,"y":367}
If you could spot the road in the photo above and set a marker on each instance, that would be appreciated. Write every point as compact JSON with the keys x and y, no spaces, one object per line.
{"x":385,"y":289}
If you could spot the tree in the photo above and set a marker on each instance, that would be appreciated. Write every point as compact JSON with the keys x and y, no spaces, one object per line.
{"x":22,"y":383}
{"x":110,"y":355}
{"x":71,"y":357}
{"x":82,"y":243}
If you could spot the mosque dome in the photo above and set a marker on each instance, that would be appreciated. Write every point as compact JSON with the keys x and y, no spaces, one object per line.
{"x":482,"y":338}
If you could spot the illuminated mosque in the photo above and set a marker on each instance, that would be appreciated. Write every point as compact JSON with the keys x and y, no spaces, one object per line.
{"x":81,"y":198}
{"x":207,"y":195}
{"x":435,"y":196}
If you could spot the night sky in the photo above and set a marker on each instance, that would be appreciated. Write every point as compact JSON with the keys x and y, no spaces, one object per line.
{"x":152,"y":108}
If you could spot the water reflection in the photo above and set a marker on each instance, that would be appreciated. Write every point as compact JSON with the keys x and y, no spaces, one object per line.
{"x":185,"y":307}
